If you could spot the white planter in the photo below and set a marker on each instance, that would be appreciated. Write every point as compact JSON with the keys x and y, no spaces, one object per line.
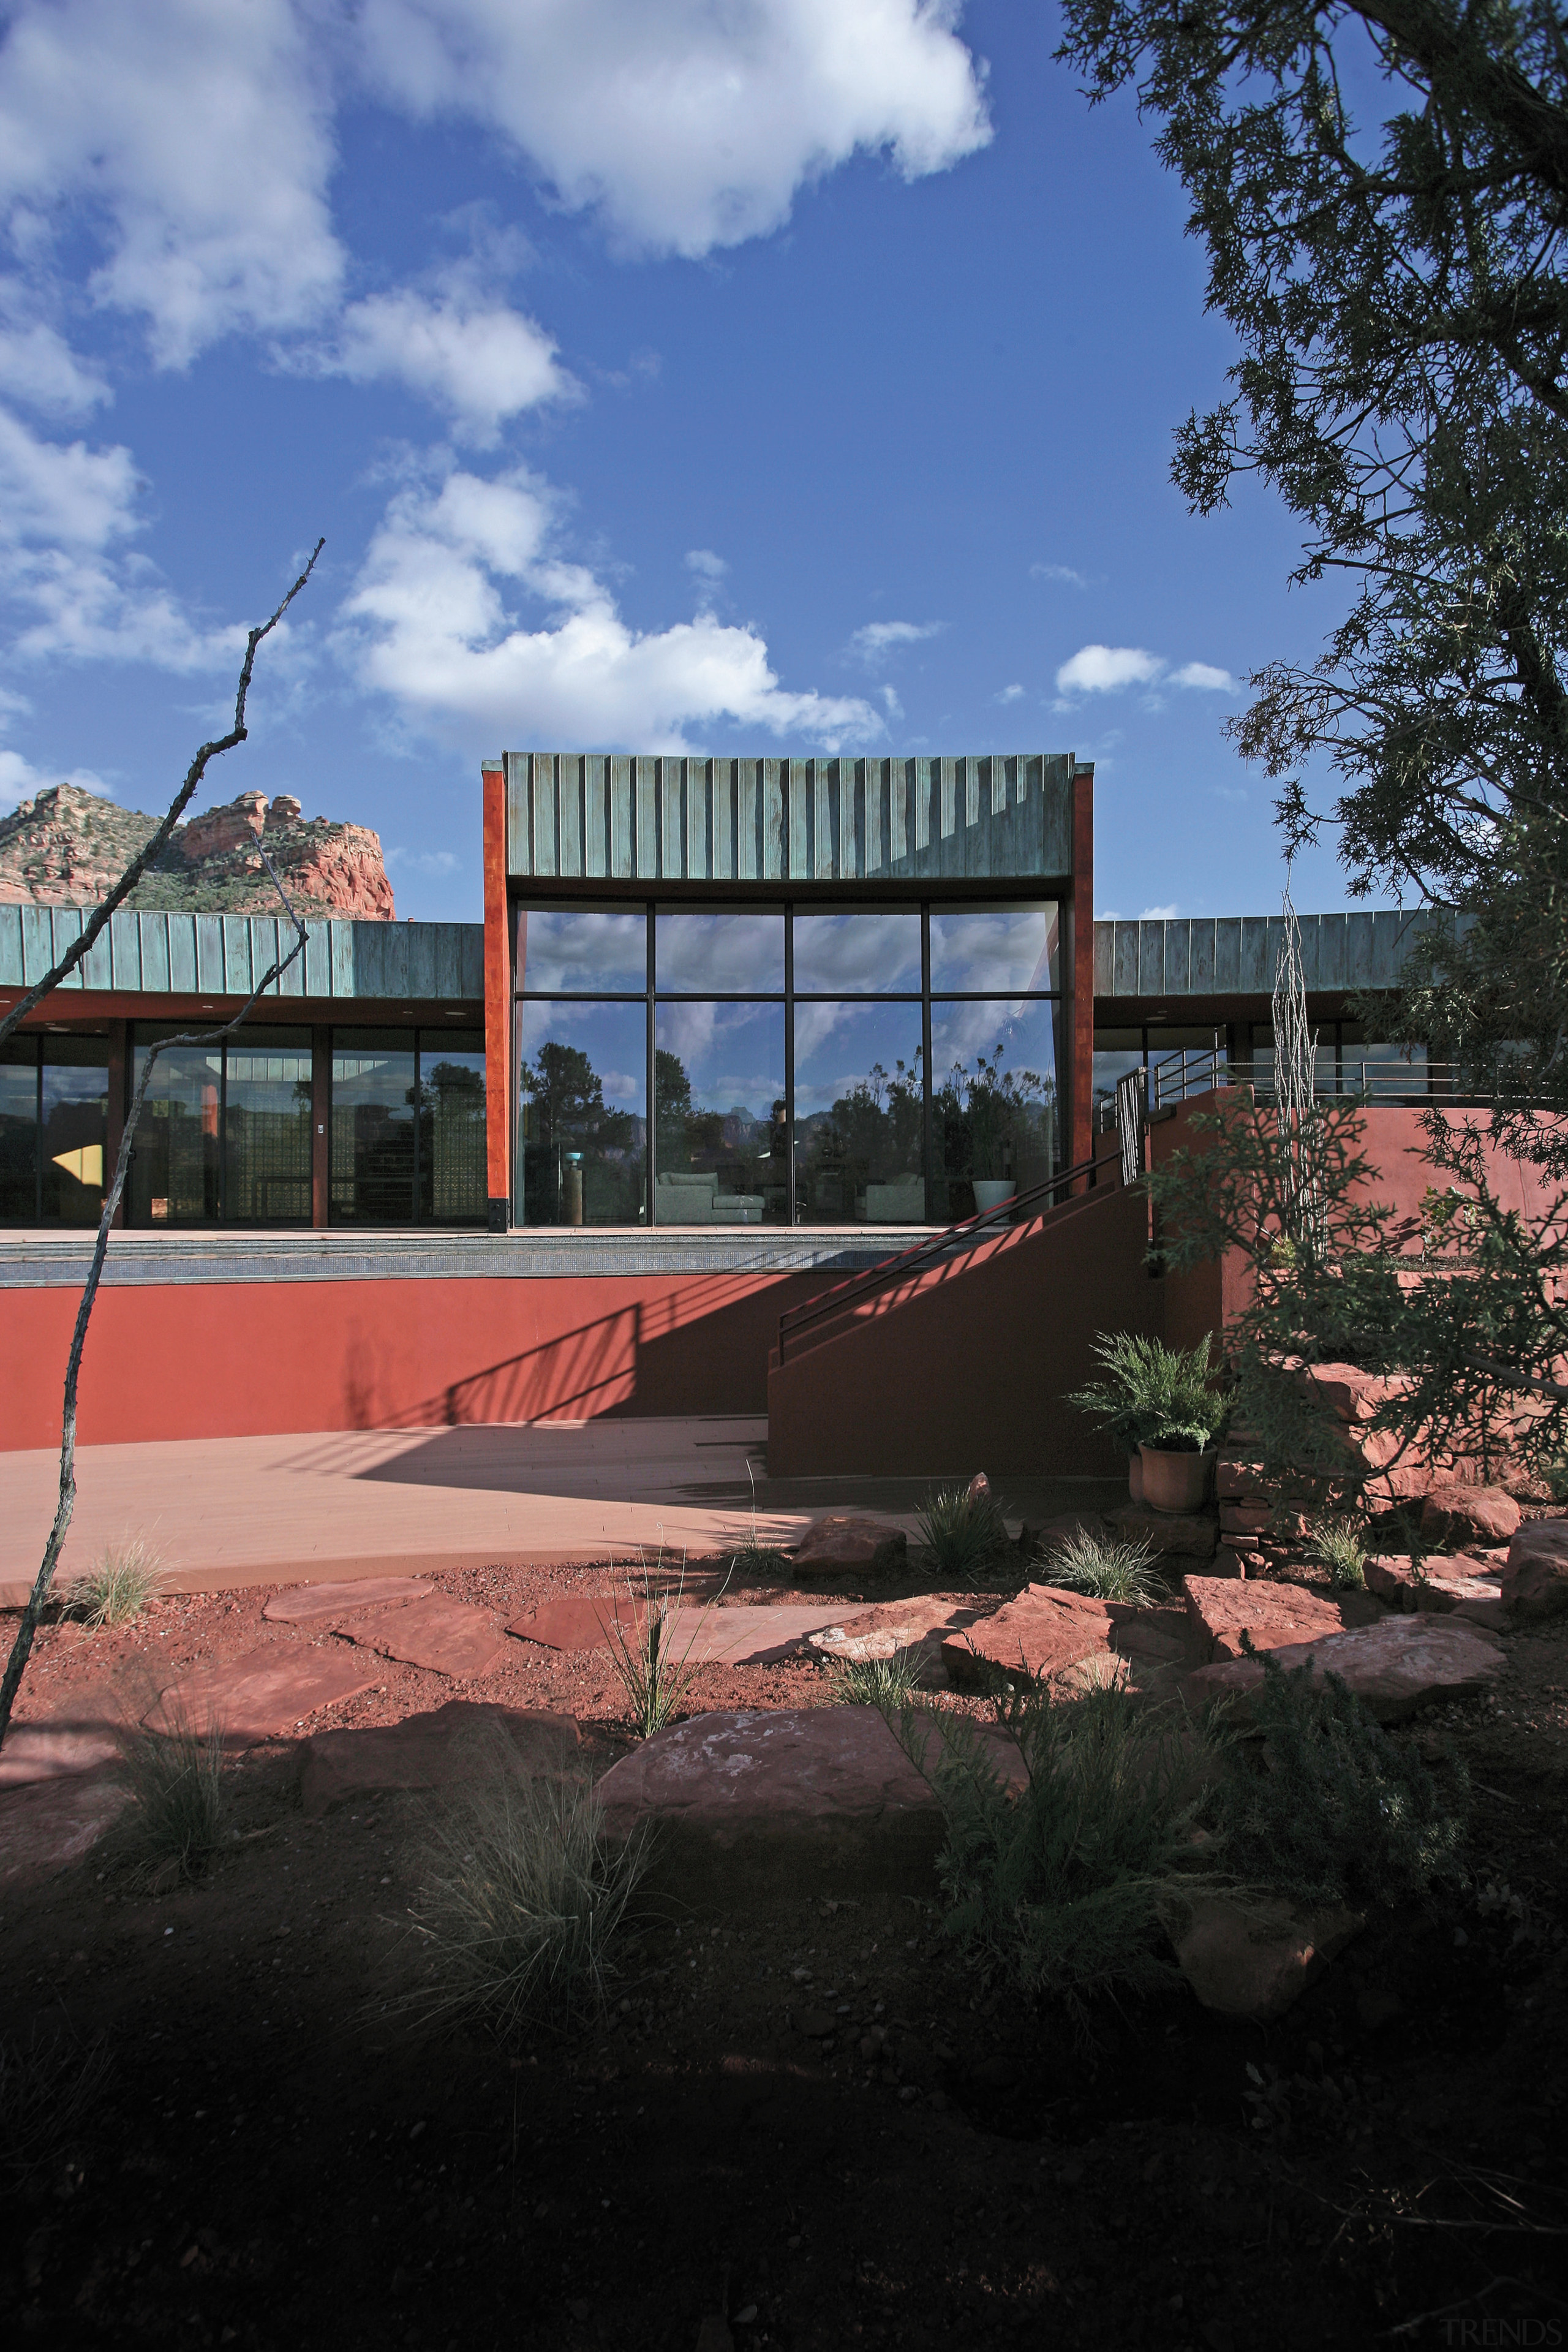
{"x":990,"y":1192}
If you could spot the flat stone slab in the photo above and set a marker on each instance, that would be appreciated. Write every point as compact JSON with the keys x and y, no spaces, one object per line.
{"x":845,"y":1544}
{"x":760,"y":1805}
{"x":264,"y":1694}
{"x":59,"y":1746}
{"x":446,"y":1636}
{"x":1469,"y":1515}
{"x":455,"y":1743}
{"x":1040,"y":1635}
{"x":1457,"y":1585}
{"x":1274,"y":1615}
{"x":301,"y":1603}
{"x":1394,"y":1667}
{"x":746,"y":1634}
{"x":914,"y":1629}
{"x":48,"y":1824}
{"x":1180,"y":1535}
{"x":1253,"y":1959}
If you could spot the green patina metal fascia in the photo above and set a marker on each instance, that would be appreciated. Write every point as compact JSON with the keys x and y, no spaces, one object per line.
{"x":623,"y":817}
{"x":1236,"y":955}
{"x":149,"y":952}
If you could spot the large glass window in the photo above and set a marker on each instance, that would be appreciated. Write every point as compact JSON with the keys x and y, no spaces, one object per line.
{"x":19,"y":1130}
{"x":860,"y":1114}
{"x":175,"y":1172}
{"x":1116,"y":1052}
{"x":601,"y":951}
{"x":857,"y":953}
{"x":454,"y":1178}
{"x":76,"y":1128}
{"x":723,"y":1144}
{"x":267,"y":1129}
{"x":995,"y":950}
{"x":993,"y":1102}
{"x":583,"y":1103}
{"x":374,"y":1127}
{"x":700,"y":953}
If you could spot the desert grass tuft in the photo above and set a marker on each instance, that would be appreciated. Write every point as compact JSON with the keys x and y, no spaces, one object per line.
{"x":178,"y":1814}
{"x":1340,"y":1545}
{"x":889,"y":1685}
{"x":522,"y":1904}
{"x":47,"y":2084}
{"x":655,"y":1675}
{"x":1106,"y":1568}
{"x":965,"y":1529}
{"x":115,"y":1592}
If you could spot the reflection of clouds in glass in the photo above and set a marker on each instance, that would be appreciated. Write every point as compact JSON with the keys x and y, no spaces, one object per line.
{"x":974,"y":947}
{"x":857,"y":952}
{"x":724,"y":952}
{"x":612,"y":1037}
{"x":571,"y":947}
{"x":961,"y":1033}
{"x":623,"y":1088}
{"x":841,"y":1054}
{"x":733,"y":1054}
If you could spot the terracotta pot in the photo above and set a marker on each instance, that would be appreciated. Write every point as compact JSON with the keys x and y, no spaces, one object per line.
{"x":1134,"y":1477}
{"x":1174,"y":1482}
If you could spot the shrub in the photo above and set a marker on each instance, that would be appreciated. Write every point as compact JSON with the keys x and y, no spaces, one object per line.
{"x":888,"y":1684}
{"x":47,"y":2084}
{"x":1107,"y":1569}
{"x":965,"y":1528}
{"x":1062,"y":1889}
{"x":179,"y":1808}
{"x":1154,"y":1395}
{"x":131,"y":1573}
{"x":654,"y":1674}
{"x":1339,"y":1545}
{"x":523,"y":1901}
{"x":1335,"y":1810}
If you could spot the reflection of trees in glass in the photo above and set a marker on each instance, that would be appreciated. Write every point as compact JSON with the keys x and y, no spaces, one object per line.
{"x":581,"y":1155}
{"x":873,"y":1131}
{"x":566,"y":1096}
{"x":686,"y":1136}
{"x":990,"y":1120}
{"x":453,"y":1178}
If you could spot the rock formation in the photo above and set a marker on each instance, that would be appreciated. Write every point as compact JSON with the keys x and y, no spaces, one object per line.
{"x":69,"y":847}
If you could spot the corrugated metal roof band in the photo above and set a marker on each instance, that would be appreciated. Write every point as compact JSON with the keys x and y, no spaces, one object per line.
{"x":620,"y":817}
{"x":226,"y":955}
{"x":1236,"y":955}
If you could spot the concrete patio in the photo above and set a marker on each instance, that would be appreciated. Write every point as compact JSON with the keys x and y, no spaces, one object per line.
{"x":228,"y":1512}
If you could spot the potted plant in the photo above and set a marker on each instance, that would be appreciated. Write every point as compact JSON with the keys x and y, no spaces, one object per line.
{"x":1158,"y":1400}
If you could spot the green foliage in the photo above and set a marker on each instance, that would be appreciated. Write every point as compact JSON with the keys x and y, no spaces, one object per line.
{"x":1398,"y":291}
{"x":523,"y":1901}
{"x":655,"y":1675}
{"x":1107,"y":1569}
{"x":1340,"y":1545}
{"x":990,"y":1117}
{"x":116,"y":1592}
{"x":179,"y":1810}
{"x":1154,"y":1395}
{"x":1334,"y":1810}
{"x":1062,"y":1888}
{"x":887,"y":1684}
{"x":966,"y":1530}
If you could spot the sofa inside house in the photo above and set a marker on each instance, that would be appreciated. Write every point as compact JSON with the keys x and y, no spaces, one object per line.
{"x":692,"y":1198}
{"x":902,"y":1203}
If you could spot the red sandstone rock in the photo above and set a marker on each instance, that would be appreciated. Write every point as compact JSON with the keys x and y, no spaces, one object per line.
{"x":1038,"y":1636}
{"x":1469,"y":1515}
{"x":58,"y":1747}
{"x":1177,"y":1535}
{"x":1455,"y":1584}
{"x":1253,"y":1959}
{"x":220,"y":829}
{"x":776,"y":1805}
{"x":446,"y":1636}
{"x":459,"y":1742}
{"x":302,"y":1603}
{"x":744,"y":1634}
{"x":845,"y":1544}
{"x":45,"y":1827}
{"x":262,"y":1694}
{"x":1535,"y":1581}
{"x":1223,"y":1607}
{"x":893,"y":1629}
{"x":1394,"y":1667}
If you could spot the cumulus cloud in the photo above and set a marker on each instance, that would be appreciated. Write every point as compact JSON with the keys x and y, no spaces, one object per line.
{"x":872,"y":644}
{"x":687,"y":127}
{"x":890,"y":702}
{"x":480,"y":360}
{"x":19,"y":780}
{"x":436,"y":862}
{"x":198,"y":134}
{"x":1204,"y":676}
{"x":39,"y":367}
{"x":709,"y":568}
{"x":1062,"y":573}
{"x":429,"y":624}
{"x":1010,"y":693}
{"x":1101,"y":669}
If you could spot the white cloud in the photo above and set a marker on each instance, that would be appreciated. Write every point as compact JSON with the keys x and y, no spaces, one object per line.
{"x":19,"y":780}
{"x":195,"y":135}
{"x":479,"y":361}
{"x":872,"y":644}
{"x":1101,"y":669}
{"x":425,"y":861}
{"x":706,"y":564}
{"x":1160,"y":914}
{"x":429,"y":625}
{"x":64,"y":495}
{"x":38,"y":366}
{"x":1010,"y":693}
{"x":688,"y":126}
{"x":1205,"y":677}
{"x":1059,"y":571}
{"x":890,"y":698}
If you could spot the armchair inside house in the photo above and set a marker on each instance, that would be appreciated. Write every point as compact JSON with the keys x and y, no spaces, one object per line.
{"x":691,"y":1197}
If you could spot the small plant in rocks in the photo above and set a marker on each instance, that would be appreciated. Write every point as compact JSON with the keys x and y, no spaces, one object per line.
{"x":965,"y":1529}
{"x":887,"y":1684}
{"x":115,"y":1592}
{"x":1105,"y":1568}
{"x":1340,"y":1545}
{"x":654,"y":1672}
{"x":179,"y":1809}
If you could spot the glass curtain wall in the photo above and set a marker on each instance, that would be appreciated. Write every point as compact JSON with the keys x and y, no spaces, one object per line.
{"x":407,"y":1128}
{"x":54,"y":1124}
{"x":805,"y":1065}
{"x":224,"y":1132}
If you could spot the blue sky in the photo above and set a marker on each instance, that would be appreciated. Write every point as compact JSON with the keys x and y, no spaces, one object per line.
{"x":792,"y":375}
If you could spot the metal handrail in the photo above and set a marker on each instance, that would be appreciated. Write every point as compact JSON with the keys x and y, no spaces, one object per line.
{"x":1185,"y":1074}
{"x":846,"y":1295}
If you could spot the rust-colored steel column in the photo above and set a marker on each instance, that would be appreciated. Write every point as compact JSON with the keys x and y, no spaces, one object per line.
{"x":497,"y":1005}
{"x":1080,"y":916}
